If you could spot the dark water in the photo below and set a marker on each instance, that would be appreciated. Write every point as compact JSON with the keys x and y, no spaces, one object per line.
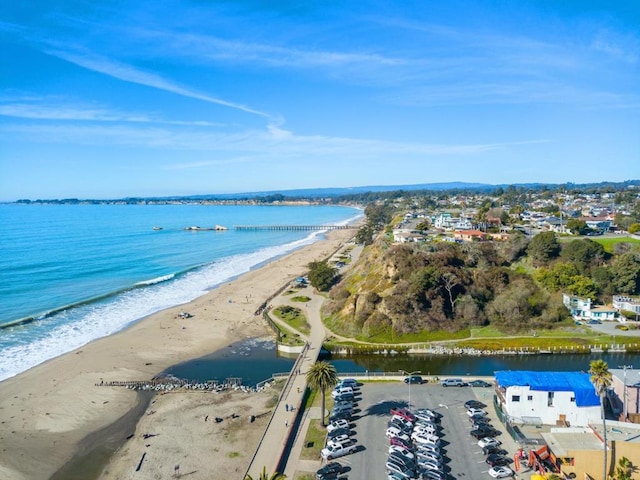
{"x":255,"y":360}
{"x":485,"y":366}
{"x":252,"y":360}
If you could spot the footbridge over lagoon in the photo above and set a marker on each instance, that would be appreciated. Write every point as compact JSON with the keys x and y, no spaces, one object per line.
{"x":293,"y":227}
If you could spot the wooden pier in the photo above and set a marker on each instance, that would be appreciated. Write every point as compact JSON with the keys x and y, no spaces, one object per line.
{"x":292,"y":227}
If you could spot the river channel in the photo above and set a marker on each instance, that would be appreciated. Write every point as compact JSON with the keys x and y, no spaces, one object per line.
{"x":255,"y":360}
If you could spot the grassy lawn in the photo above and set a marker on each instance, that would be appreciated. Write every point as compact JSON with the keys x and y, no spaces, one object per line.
{"x":316,"y":434}
{"x":293,"y":317}
{"x":608,"y":243}
{"x":301,"y":299}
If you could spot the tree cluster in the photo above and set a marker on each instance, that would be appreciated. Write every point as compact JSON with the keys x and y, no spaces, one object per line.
{"x":409,"y":288}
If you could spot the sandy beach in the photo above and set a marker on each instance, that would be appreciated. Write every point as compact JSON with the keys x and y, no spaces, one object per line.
{"x":46,"y":412}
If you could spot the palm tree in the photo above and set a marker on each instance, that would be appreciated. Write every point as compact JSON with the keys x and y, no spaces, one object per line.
{"x":322,"y":375}
{"x":601,"y":379}
{"x":265,"y":476}
{"x":624,"y":470}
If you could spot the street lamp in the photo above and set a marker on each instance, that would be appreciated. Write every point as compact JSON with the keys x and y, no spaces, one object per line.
{"x":624,"y":391}
{"x":409,"y":375}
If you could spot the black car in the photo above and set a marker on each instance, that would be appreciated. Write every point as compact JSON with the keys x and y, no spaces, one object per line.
{"x":474,"y":404}
{"x":484,"y":432}
{"x":479,"y":383}
{"x":497,"y":460}
{"x":414,"y":379}
{"x":338,"y":431}
{"x":340,"y":416}
{"x":494,"y":449}
{"x":330,"y":469}
{"x":481,"y":424}
{"x":477,"y":419}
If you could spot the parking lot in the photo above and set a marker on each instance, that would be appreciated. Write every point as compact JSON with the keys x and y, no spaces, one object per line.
{"x":463,"y":456}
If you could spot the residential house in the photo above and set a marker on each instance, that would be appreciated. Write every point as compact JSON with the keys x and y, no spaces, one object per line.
{"x":629,"y":304}
{"x":470,"y":235}
{"x":580,"y":308}
{"x":547,"y":398}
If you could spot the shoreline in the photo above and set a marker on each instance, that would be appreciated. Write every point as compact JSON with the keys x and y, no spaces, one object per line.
{"x":48,"y":410}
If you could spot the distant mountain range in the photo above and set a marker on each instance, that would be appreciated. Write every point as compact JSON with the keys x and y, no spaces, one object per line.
{"x":436,"y":187}
{"x":330,"y":192}
{"x":338,"y":191}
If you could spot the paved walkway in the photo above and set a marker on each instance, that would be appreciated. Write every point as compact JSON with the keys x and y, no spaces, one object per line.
{"x":286,"y":428}
{"x":282,"y":442}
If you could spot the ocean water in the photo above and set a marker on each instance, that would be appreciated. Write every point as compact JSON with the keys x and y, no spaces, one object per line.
{"x":81,"y":272}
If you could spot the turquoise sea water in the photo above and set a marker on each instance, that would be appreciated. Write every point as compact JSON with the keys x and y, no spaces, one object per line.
{"x":87,"y":271}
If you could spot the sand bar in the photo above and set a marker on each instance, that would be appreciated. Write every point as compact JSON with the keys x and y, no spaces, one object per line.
{"x":46,"y":411}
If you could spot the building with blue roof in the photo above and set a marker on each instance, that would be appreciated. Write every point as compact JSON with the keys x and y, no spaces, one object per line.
{"x":548,"y":398}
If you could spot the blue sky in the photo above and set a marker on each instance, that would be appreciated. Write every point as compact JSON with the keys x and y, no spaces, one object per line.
{"x":111,"y":99}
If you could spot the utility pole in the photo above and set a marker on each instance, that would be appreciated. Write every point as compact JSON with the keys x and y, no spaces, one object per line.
{"x":624,"y":394}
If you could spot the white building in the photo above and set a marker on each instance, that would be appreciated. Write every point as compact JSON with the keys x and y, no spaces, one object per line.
{"x":630,"y":304}
{"x":579,"y":307}
{"x":548,"y":398}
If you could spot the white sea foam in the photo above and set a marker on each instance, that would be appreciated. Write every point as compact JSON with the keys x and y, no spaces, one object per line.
{"x":153,"y":281}
{"x":78,"y":326}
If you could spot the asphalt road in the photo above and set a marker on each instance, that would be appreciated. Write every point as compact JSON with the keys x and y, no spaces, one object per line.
{"x":465,"y":460}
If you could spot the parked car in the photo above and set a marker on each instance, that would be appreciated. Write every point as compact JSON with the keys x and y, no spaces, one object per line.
{"x":396,"y":469}
{"x":407,"y":462}
{"x":345,"y":397}
{"x":493,"y":449}
{"x":340,"y":416}
{"x":479,"y":419}
{"x":488,"y":441}
{"x":403,"y":412}
{"x":336,"y":451}
{"x":341,"y":391}
{"x":339,"y":432}
{"x":431,"y":475}
{"x":395,"y":431}
{"x":402,"y":451}
{"x":452,"y":382}
{"x":341,"y":442}
{"x":484,"y":432}
{"x":337,"y":424}
{"x":479,"y":383}
{"x":501,"y":472}
{"x":414,"y":379}
{"x":476,"y":411}
{"x":401,"y":442}
{"x":428,"y":412}
{"x":348,"y":382}
{"x":331,"y":468}
{"x":401,"y":420}
{"x":497,"y":460}
{"x":474,"y":404}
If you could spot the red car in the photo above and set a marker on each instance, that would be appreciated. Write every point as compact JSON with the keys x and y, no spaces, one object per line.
{"x":404,"y":413}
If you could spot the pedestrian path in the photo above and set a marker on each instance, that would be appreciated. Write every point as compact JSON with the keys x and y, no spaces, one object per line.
{"x":281,"y":434}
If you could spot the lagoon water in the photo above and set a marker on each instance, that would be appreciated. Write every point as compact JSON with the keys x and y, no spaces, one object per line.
{"x":82,"y":272}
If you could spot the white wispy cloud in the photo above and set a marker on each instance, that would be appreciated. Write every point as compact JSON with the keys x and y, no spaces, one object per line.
{"x":274,"y":143}
{"x":43,"y":108}
{"x":128,"y":73}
